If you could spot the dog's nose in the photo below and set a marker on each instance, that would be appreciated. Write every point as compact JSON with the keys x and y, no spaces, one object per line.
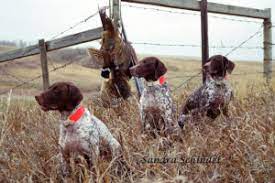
{"x":37,"y":98}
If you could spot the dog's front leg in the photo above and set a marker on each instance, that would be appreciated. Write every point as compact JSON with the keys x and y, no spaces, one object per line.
{"x":92,"y":161}
{"x":168,"y":119}
{"x":142,"y":120}
{"x":63,"y":165}
{"x":94,"y":156}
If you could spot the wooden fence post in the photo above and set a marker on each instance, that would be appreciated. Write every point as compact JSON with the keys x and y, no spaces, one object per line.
{"x":268,"y":47}
{"x":44,"y":63}
{"x":204,"y":34}
{"x":110,"y":8}
{"x":116,"y":15}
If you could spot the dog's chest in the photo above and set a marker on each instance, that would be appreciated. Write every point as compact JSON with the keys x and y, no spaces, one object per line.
{"x":155,"y":96}
{"x":80,"y":136}
{"x":217,"y":92}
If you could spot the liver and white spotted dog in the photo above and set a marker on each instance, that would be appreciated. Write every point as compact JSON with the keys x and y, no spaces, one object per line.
{"x":155,"y":101}
{"x":213,"y":97}
{"x":80,"y":132}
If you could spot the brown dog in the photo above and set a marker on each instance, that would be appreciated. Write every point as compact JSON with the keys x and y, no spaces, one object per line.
{"x":80,"y":132}
{"x":155,"y":101}
{"x":150,"y":68}
{"x":214,"y":95}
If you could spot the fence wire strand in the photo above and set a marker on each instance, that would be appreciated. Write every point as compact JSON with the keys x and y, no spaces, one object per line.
{"x":189,"y":13}
{"x":77,"y":24}
{"x":193,"y":45}
{"x":37,"y":77}
{"x":245,"y":41}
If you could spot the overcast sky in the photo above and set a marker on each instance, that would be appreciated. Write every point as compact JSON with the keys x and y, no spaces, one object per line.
{"x":30,"y":20}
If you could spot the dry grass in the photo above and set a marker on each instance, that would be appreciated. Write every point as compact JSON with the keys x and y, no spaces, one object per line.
{"x":245,"y":142}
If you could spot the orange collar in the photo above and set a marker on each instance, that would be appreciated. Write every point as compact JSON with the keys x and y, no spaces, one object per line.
{"x":162,"y":80}
{"x":77,"y":114}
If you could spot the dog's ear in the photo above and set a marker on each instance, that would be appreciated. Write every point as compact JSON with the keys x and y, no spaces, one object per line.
{"x":160,"y":68}
{"x":74,"y":97}
{"x":206,"y":66}
{"x":229,"y":66}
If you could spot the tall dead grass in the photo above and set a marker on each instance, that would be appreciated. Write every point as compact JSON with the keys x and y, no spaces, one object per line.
{"x":244,"y":142}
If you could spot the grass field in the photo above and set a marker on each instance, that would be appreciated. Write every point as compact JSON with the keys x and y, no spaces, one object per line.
{"x":246,"y":74}
{"x":244,"y":142}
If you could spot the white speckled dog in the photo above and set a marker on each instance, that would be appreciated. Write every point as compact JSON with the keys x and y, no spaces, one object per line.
{"x":80,"y":132}
{"x":214,"y":96}
{"x":155,"y":102}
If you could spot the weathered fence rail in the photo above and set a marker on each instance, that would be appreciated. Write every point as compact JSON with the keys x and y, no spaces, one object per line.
{"x":212,"y":7}
{"x":55,"y":44}
{"x":43,"y":47}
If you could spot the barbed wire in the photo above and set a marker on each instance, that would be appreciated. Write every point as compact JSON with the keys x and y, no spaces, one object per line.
{"x":176,"y":88}
{"x":245,"y":41}
{"x":192,"y":45}
{"x":187,"y":81}
{"x":12,"y":76}
{"x":189,"y":13}
{"x":51,"y":61}
{"x":37,"y":77}
{"x":251,"y":73}
{"x":78,"y":23}
{"x":199,"y":75}
{"x":157,"y":9}
{"x":234,"y":74}
{"x":231,"y":51}
{"x":49,"y":58}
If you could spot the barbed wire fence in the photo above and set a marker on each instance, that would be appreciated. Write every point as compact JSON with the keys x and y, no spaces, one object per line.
{"x":233,"y":48}
{"x":51,"y":61}
{"x":190,"y":77}
{"x":83,"y":21}
{"x":182,"y":12}
{"x":37,"y":77}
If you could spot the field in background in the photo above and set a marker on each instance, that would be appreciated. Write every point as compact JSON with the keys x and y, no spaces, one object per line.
{"x":245,"y":141}
{"x":87,"y":76}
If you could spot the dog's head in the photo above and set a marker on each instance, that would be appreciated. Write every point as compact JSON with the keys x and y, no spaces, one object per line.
{"x":150,"y":68}
{"x":218,"y":66}
{"x":61,"y":96}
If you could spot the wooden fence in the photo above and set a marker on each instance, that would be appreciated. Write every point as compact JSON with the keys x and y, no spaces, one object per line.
{"x":42,"y":47}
